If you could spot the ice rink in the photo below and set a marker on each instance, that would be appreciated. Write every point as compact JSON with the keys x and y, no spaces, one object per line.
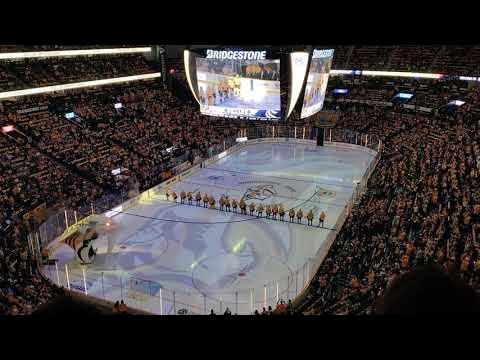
{"x":165,"y":253}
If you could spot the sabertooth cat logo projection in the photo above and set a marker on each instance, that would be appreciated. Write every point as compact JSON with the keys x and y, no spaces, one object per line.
{"x":82,"y":244}
{"x":260,"y":192}
{"x":323,"y":194}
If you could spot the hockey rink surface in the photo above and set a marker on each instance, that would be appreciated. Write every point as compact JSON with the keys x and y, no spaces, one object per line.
{"x":212,"y":259}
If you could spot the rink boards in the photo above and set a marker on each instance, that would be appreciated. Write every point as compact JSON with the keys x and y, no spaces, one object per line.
{"x":183,"y":256}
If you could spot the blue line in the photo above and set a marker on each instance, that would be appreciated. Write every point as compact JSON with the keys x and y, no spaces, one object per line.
{"x":278,"y":177}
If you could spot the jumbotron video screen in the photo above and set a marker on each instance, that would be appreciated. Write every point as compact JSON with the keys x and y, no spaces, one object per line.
{"x":317,"y":82}
{"x":239,"y":87}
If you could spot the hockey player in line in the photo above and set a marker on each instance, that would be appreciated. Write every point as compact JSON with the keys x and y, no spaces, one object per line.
{"x":260,"y":211}
{"x":189,"y":197}
{"x":206,"y":200}
{"x":310,"y":217}
{"x":234,"y":205}
{"x":237,"y":84}
{"x":321,"y":219}
{"x":182,"y":197}
{"x":268,"y":211}
{"x":198,"y":198}
{"x":167,"y":194}
{"x":211,"y":200}
{"x":252,"y":208}
{"x":243,"y":207}
{"x":299,"y":216}
{"x":226,"y":202}
{"x":275,"y":211}
{"x":222,"y":202}
{"x":291,"y":215}
{"x":174,"y":196}
{"x":281,"y":212}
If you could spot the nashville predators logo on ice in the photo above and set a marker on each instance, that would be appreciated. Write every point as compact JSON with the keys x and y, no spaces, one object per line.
{"x":260,"y":192}
{"x":325,"y":193}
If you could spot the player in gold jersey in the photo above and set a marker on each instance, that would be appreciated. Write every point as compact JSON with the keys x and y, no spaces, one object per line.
{"x":237,"y":83}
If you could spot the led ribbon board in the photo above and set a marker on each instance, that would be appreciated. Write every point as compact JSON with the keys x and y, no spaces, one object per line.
{"x":83,"y":84}
{"x":63,"y":53}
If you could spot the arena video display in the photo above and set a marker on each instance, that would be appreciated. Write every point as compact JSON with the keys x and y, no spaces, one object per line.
{"x":317,"y":82}
{"x":239,"y":84}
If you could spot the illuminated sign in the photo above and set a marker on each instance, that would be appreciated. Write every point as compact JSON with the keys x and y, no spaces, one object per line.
{"x":402,"y":74}
{"x":114,"y":211}
{"x":118,"y":105}
{"x":8,"y":128}
{"x":222,"y":155}
{"x":405,"y":96}
{"x":456,"y":103}
{"x":340,"y":91}
{"x":322,"y":53}
{"x":70,"y":115}
{"x":341,"y":72}
{"x":237,"y":55}
{"x":389,"y":74}
{"x":117,"y":171}
{"x":242,"y":139}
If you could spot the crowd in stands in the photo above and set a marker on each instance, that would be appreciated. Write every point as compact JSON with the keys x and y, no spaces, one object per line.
{"x":450,"y":60}
{"x":430,"y":94}
{"x":422,"y":206}
{"x":134,"y":137}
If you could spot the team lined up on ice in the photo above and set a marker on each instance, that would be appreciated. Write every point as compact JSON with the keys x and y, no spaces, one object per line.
{"x":271,"y":211}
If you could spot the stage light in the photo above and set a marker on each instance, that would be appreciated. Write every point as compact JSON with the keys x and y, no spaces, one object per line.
{"x":62,"y":53}
{"x":78,"y":85}
{"x":238,"y":246}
